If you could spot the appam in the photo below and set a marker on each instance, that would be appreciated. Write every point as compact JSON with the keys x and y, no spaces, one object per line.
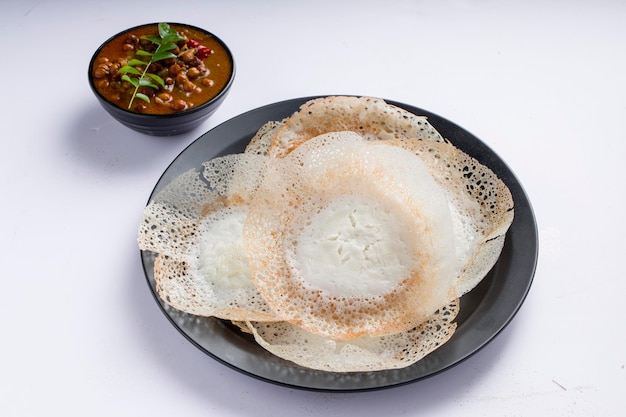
{"x":481,"y":204}
{"x":362,"y":354}
{"x":371,"y":117}
{"x":262,"y":140}
{"x":348,"y":237}
{"x":195,"y":226}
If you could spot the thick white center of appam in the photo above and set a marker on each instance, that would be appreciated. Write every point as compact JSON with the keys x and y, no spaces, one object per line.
{"x":222,"y":259}
{"x":356,"y":247}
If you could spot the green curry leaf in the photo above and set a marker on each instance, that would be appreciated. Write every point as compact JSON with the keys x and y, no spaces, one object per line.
{"x":146,"y":82}
{"x":161,"y":55}
{"x":133,"y":81}
{"x":169,"y":46}
{"x":158,"y":79}
{"x":143,"y":97}
{"x":164,"y":29}
{"x":128,"y":69}
{"x":152,"y":38}
{"x":165,"y":42}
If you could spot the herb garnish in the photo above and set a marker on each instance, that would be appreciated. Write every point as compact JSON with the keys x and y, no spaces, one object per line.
{"x":166,"y":42}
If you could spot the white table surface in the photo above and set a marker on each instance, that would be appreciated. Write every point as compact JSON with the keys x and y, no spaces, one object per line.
{"x":543,"y":83}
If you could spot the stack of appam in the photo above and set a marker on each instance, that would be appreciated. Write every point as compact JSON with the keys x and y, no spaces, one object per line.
{"x":341,"y":239}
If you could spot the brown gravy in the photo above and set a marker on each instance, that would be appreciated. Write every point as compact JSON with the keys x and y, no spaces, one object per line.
{"x":201,"y":70}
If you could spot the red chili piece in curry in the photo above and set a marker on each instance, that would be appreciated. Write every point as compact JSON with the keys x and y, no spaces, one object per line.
{"x":200,"y":71}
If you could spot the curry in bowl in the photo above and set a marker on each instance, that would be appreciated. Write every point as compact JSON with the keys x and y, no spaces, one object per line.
{"x":162,"y":69}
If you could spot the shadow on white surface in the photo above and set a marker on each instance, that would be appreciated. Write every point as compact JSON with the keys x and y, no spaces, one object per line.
{"x":96,"y":140}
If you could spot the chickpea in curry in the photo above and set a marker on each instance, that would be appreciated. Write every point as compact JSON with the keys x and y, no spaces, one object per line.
{"x":201,"y":69}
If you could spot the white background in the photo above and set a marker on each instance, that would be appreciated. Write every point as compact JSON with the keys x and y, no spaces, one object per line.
{"x":543,"y":83}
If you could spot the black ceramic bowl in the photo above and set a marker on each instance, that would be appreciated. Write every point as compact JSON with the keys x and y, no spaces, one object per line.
{"x":164,"y":124}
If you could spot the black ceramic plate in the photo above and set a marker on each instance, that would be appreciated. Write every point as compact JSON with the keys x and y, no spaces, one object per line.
{"x":485,"y":310}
